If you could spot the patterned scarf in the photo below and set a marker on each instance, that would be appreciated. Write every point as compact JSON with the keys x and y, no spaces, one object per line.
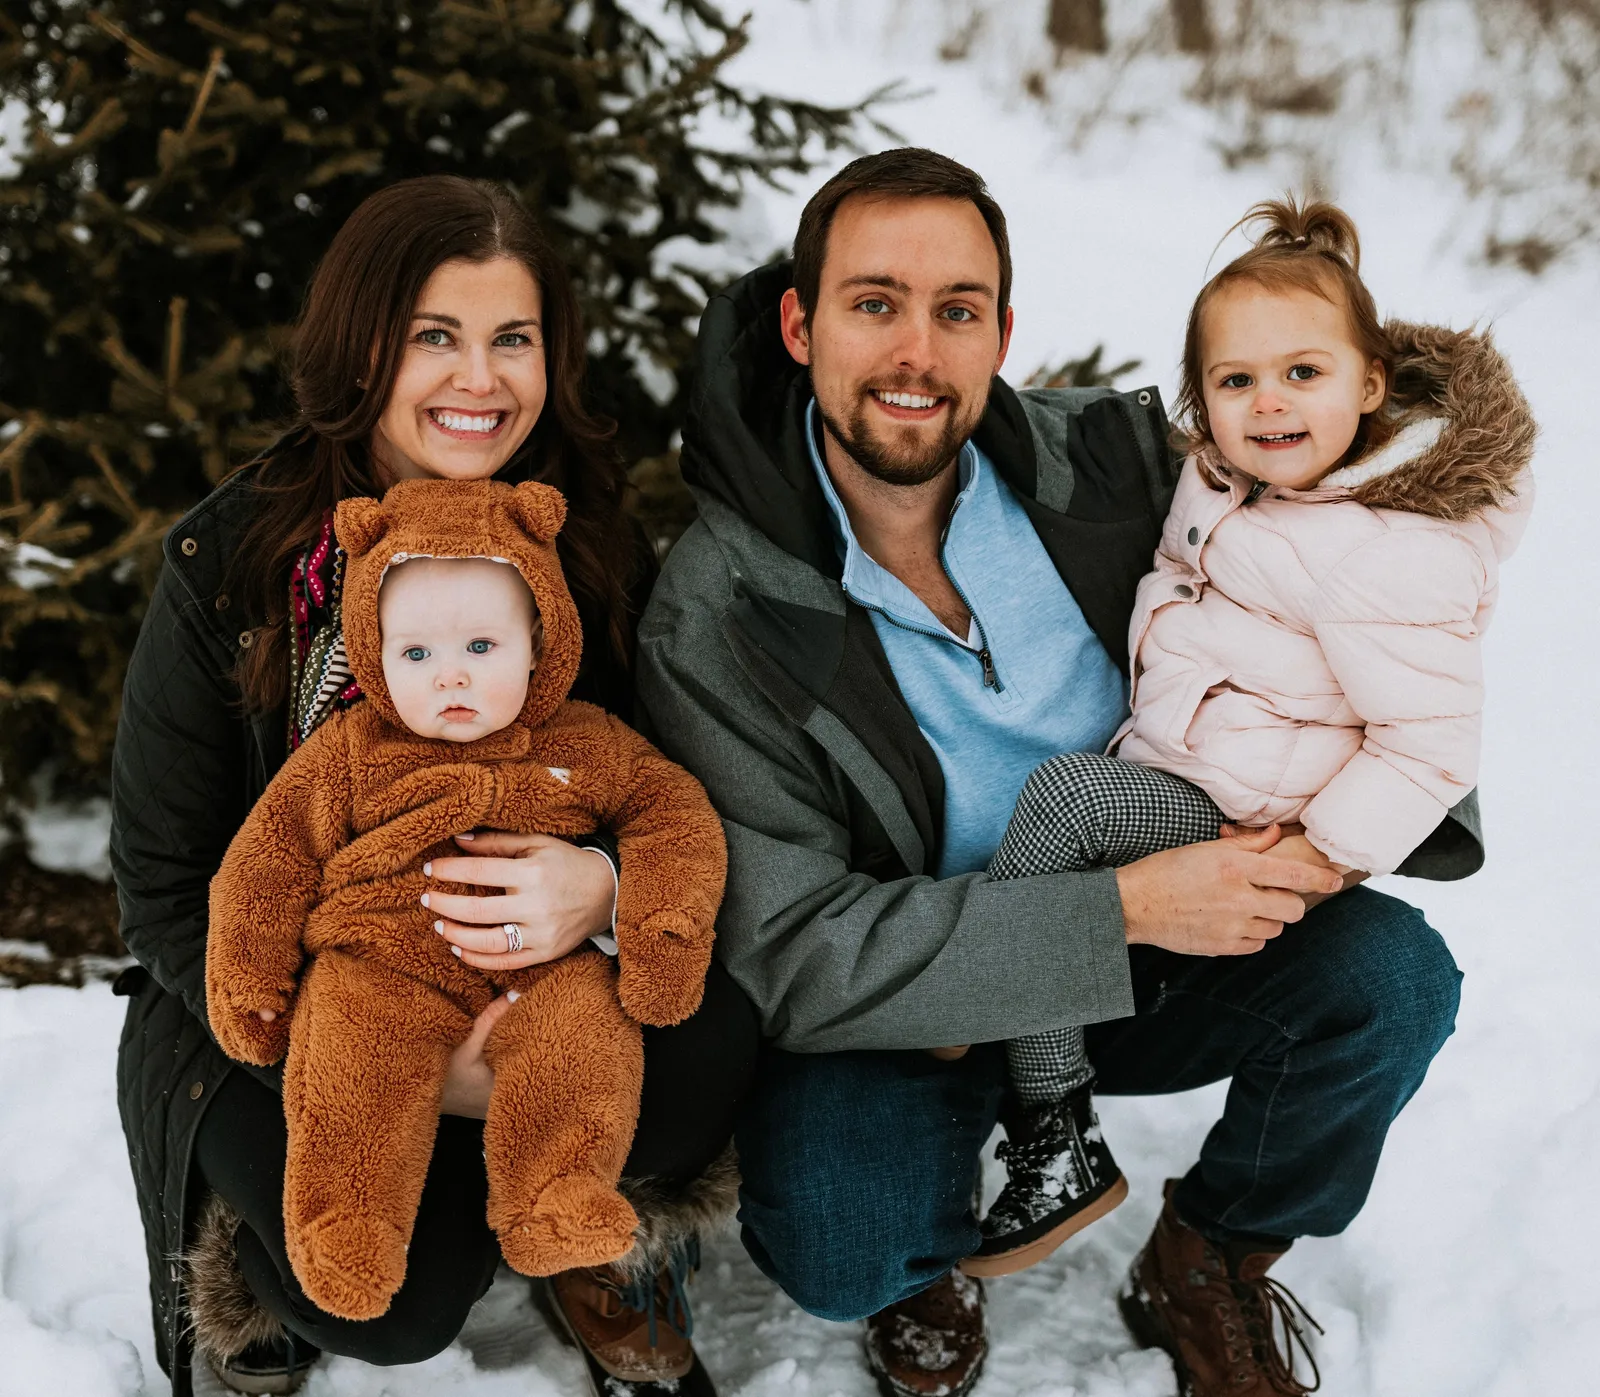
{"x":320,"y":682}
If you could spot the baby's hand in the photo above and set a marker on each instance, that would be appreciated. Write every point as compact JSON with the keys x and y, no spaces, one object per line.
{"x":260,"y":1036}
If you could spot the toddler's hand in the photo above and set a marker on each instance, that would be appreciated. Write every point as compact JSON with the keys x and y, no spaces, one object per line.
{"x":1300,"y":849}
{"x":1295,"y":846}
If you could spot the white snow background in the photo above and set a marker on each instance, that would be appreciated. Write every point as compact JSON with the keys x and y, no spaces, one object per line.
{"x":1471,"y":1272}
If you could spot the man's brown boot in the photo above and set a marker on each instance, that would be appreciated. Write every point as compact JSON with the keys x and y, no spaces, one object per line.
{"x":633,"y":1332}
{"x":931,"y":1345}
{"x":1220,"y":1320}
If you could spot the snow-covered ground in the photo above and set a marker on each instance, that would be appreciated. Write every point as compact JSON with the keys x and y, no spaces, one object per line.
{"x":1470,"y":1273}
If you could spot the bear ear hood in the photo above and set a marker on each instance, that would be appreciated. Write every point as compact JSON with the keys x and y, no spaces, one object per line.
{"x":460,"y":519}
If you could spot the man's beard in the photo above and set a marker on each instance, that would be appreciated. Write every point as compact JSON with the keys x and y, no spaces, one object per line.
{"x":905,"y":458}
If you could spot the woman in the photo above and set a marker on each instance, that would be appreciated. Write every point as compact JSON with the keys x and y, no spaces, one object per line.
{"x":440,"y":338}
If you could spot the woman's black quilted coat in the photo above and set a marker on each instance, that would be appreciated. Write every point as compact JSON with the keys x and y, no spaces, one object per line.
{"x":188,"y":765}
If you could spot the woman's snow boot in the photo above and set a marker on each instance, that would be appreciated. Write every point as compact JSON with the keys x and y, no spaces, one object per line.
{"x":245,"y":1346}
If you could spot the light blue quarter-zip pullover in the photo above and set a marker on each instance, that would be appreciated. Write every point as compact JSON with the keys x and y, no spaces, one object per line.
{"x":1029,"y":680}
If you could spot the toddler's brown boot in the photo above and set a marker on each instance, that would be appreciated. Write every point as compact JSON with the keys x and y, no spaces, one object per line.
{"x":1220,"y":1317}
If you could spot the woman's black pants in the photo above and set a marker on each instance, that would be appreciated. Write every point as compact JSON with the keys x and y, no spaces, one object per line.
{"x":695,"y":1074}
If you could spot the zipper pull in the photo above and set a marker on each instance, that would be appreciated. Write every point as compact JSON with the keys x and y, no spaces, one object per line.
{"x":990,"y":679}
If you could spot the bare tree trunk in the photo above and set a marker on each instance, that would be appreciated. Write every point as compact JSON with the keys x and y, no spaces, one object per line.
{"x":1078,"y":24}
{"x":1193,"y":24}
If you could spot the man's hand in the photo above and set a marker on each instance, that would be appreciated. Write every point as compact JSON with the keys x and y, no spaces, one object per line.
{"x":1224,"y":898}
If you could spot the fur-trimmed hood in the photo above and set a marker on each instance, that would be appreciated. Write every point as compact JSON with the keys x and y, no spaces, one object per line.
{"x":516,"y":524}
{"x":1460,"y":433}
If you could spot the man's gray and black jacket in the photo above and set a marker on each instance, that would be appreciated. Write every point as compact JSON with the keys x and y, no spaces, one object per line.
{"x":764,"y":679}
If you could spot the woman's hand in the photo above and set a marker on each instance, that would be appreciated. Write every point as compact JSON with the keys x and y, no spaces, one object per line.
{"x":469,"y":1079}
{"x":556,"y":895}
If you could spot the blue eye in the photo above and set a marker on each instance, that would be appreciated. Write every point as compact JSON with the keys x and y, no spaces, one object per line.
{"x":434,"y":338}
{"x":415,"y":653}
{"x":960,"y":314}
{"x":513,"y":339}
{"x":1303,"y":373}
{"x":1235,"y":381}
{"x":874,"y":306}
{"x":479,"y":647}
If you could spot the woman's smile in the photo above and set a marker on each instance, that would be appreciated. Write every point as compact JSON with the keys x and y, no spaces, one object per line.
{"x":467,"y":426}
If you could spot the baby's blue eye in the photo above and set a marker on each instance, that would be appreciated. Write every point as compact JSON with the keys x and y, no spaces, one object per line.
{"x":479,"y":647}
{"x":1303,"y":373}
{"x":415,"y":653}
{"x":1236,"y":381}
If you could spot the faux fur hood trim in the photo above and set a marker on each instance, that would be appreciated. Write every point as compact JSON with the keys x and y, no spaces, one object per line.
{"x":669,"y":1217}
{"x":1481,"y":447}
{"x":225,"y":1317}
{"x":460,"y":519}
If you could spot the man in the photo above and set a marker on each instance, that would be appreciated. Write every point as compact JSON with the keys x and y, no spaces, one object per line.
{"x":908,"y":585}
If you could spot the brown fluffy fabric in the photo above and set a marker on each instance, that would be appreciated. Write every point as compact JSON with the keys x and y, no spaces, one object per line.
{"x":225,"y":1318}
{"x":1489,"y":429}
{"x":316,"y":914}
{"x":670,"y":1217}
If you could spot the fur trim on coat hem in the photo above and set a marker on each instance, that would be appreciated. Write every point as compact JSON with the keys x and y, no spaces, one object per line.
{"x":225,"y":1317}
{"x":668,"y":1217}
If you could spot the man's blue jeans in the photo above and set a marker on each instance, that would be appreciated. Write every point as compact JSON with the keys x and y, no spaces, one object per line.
{"x":859,"y":1167}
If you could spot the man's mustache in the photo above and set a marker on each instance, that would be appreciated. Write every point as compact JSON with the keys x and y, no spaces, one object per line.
{"x":926,"y":387}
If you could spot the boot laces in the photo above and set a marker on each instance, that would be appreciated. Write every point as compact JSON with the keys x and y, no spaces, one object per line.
{"x":1033,"y":1154}
{"x":662,"y":1293}
{"x":1269,"y":1307}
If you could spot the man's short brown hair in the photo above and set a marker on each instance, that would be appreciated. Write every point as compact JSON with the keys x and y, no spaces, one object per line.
{"x":909,"y":172}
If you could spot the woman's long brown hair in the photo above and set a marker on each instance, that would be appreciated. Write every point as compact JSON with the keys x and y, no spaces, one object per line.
{"x":353,"y":332}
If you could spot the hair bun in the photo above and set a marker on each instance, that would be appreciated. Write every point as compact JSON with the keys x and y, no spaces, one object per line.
{"x":1313,"y":226}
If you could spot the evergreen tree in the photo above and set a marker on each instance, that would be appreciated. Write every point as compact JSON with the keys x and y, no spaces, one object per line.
{"x":184,"y":166}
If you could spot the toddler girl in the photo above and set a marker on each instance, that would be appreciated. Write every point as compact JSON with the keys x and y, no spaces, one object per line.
{"x":1306,"y":651}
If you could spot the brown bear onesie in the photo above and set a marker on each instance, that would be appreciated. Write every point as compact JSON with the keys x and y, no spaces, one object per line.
{"x":316,"y":914}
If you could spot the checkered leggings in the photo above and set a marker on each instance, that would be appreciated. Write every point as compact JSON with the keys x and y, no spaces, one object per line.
{"x":1080,"y":811}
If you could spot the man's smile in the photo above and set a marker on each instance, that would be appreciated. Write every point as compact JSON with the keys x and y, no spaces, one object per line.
{"x":907,"y":407}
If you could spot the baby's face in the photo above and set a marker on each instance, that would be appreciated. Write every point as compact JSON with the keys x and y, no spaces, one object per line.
{"x":458,"y":645}
{"x":1285,"y":386}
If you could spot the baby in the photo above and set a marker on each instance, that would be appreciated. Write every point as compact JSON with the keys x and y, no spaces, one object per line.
{"x":461,"y":631}
{"x":1306,"y":652}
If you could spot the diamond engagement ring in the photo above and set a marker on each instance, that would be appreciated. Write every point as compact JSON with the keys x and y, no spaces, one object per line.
{"x":513,"y":937}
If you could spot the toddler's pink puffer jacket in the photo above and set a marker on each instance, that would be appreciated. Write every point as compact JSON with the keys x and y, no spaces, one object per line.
{"x":1314,"y":655}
